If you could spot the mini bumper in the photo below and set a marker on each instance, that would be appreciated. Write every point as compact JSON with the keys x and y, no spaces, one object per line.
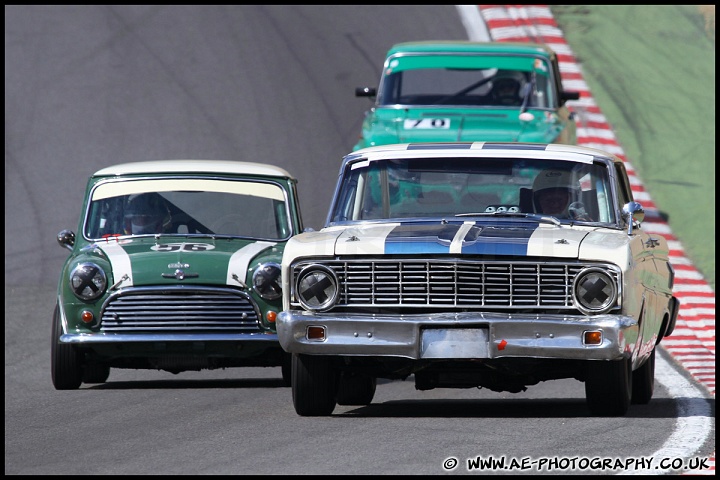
{"x":100,"y":338}
{"x":457,"y":336}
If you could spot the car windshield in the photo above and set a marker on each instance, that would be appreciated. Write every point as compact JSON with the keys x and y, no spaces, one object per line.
{"x":481,"y":187}
{"x":198,"y":206}
{"x":473,"y":81}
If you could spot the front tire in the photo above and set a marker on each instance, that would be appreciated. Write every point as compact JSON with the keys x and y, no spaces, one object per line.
{"x":286,"y":369}
{"x":608,"y":387}
{"x":95,"y":373}
{"x":643,"y":381}
{"x":356,"y":389}
{"x":65,"y":366}
{"x":314,"y":385}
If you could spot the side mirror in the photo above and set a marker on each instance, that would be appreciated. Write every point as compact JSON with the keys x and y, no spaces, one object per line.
{"x":565,"y":96}
{"x":66,"y":239}
{"x":633,"y":212}
{"x":365,"y":92}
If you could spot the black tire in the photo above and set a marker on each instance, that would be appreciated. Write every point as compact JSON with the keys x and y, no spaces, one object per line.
{"x":286,"y":368}
{"x":65,"y":366}
{"x":356,"y":389}
{"x":608,"y":387}
{"x":314,"y":385}
{"x":95,"y":373}
{"x":643,"y":381}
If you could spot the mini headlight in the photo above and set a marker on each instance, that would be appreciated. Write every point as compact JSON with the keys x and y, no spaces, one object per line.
{"x":317,"y":288}
{"x":88,"y":281}
{"x":266,"y":281}
{"x":595,"y":291}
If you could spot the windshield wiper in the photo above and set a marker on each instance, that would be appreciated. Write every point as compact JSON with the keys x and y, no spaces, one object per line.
{"x":529,"y":88}
{"x":464,"y":91}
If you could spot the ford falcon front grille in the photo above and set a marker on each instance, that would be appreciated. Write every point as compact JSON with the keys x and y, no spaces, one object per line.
{"x":433,"y":283}
{"x":181,"y":310}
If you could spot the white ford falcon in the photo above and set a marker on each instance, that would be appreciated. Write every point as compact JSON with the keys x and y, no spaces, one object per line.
{"x":494,"y":265}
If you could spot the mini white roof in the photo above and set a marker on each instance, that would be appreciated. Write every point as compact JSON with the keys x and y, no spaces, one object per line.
{"x":194,"y":166}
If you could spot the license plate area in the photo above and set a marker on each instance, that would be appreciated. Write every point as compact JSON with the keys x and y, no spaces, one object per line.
{"x":454,"y":343}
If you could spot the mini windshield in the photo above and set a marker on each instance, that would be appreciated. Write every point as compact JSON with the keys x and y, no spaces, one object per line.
{"x":250,"y":209}
{"x":464,"y":187}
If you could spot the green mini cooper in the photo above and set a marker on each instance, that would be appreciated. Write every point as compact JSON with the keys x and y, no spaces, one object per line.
{"x":468,"y":91}
{"x":175,"y":267}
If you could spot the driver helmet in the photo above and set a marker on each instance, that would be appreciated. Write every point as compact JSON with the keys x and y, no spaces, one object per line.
{"x":146,"y":213}
{"x":506,"y":87}
{"x":559,"y":181}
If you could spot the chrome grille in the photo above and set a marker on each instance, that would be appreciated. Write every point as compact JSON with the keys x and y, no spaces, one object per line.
{"x":182,"y":310}
{"x":453,"y":283}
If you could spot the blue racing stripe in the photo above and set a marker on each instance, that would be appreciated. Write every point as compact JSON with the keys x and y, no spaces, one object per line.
{"x":438,"y":146}
{"x":421,"y":238}
{"x":480,"y":240}
{"x":496,"y":240}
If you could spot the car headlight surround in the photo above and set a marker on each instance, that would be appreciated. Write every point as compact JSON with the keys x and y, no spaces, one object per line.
{"x":595,"y":291}
{"x":267,"y":281}
{"x":316,"y":288}
{"x":88,"y":281}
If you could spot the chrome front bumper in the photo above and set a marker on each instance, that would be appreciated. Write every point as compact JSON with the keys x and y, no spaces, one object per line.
{"x":459,"y":335}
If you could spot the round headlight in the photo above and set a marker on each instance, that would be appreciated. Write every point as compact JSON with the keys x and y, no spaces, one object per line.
{"x":88,"y":281}
{"x":595,"y":291}
{"x":317,"y":288}
{"x":266,"y":281}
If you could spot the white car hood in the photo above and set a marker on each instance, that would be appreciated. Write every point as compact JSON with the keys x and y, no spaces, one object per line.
{"x":515,"y":238}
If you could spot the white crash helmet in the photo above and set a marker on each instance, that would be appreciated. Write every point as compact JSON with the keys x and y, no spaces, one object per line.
{"x":555,"y":179}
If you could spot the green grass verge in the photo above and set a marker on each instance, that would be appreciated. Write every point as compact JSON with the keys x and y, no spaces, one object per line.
{"x":651,"y":70}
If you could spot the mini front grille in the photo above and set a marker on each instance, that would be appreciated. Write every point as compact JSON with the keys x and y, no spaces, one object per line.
{"x":181,"y":310}
{"x":432,"y":283}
